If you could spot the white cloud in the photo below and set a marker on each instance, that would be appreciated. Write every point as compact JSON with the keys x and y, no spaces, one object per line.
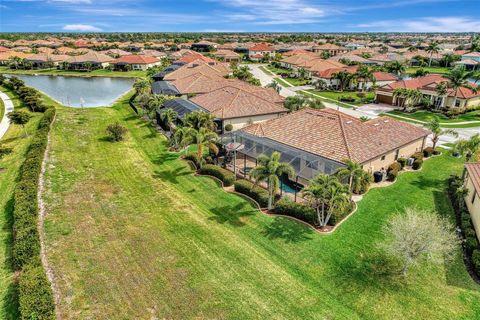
{"x":427,"y":24}
{"x":81,"y":27}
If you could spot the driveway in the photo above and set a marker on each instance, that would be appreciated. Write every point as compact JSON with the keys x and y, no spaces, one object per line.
{"x":5,"y":122}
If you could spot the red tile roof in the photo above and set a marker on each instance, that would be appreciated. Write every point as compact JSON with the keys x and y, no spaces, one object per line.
{"x":136,"y":59}
{"x":384,"y":76}
{"x":188,"y":58}
{"x":474,"y":174}
{"x":338,"y":136}
{"x":261,"y":47}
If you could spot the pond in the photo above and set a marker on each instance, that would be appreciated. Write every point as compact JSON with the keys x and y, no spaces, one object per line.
{"x":80,"y":91}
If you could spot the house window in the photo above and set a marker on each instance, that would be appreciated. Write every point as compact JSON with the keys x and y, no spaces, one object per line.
{"x":382,"y":158}
{"x":457,"y":103}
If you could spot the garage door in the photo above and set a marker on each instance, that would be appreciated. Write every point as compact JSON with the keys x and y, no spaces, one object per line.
{"x":384,"y":99}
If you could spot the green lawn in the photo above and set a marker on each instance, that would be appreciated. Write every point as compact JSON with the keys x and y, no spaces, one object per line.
{"x":296,"y":82}
{"x":335,"y":95}
{"x":279,"y":70}
{"x":94,"y":73}
{"x":132,"y":234}
{"x":425,"y":116}
{"x":412,"y":70}
{"x":266,"y":71}
{"x":2,"y":109}
{"x":9,"y":169}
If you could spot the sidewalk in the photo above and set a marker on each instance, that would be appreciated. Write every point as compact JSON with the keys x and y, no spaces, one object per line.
{"x":5,"y":122}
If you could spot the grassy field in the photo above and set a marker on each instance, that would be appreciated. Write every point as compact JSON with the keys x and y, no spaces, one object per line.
{"x":279,"y":70}
{"x":132,"y":234}
{"x":94,"y":73}
{"x":471,"y":119}
{"x":412,"y":70}
{"x":9,"y":168}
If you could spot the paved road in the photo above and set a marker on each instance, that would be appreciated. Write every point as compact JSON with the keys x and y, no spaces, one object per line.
{"x":5,"y":122}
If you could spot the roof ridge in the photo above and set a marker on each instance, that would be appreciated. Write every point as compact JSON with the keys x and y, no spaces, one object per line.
{"x":344,"y":137}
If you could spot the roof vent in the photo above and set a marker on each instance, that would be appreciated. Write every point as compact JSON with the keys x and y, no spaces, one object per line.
{"x":349,"y":121}
{"x":376,"y":124}
{"x":386,"y":121}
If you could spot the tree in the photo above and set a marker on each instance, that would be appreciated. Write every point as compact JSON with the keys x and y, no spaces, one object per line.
{"x":469,"y":148}
{"x":419,"y":235}
{"x":202,"y":138}
{"x":432,"y":48}
{"x":395,"y":67}
{"x":269,"y":169}
{"x":182,"y":137}
{"x":275,"y":86}
{"x":200,"y":119}
{"x":442,"y":90}
{"x":475,"y":76}
{"x":116,"y":131}
{"x":420,"y":73}
{"x":437,"y":131}
{"x":457,"y":78}
{"x":352,"y":171}
{"x":302,"y":73}
{"x":141,"y":86}
{"x":364,"y":74}
{"x":344,"y":79}
{"x":326,"y":194}
{"x":325,"y":55}
{"x":168,"y":116}
{"x":20,"y":118}
{"x":299,"y":102}
{"x":409,"y":97}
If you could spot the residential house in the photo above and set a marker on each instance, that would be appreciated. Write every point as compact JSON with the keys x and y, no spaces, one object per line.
{"x":465,"y":98}
{"x":46,"y":60}
{"x":320,"y":141}
{"x":228,"y":56}
{"x":90,"y":60}
{"x":204,"y":46}
{"x":135,"y":62}
{"x":330,"y":48}
{"x":218,"y":69}
{"x":472,"y":199}
{"x":259,"y":50}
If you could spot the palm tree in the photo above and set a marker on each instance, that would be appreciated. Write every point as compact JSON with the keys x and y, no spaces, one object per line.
{"x":395,"y":67}
{"x":442,"y":90}
{"x":141,"y":86}
{"x":326,"y":194}
{"x":351,"y":171}
{"x":269,"y":169}
{"x":275,"y":86}
{"x":182,"y":137}
{"x":476,"y":76}
{"x":302,"y":73}
{"x":432,"y":48}
{"x":344,"y":78}
{"x":437,"y":131}
{"x":200,"y":119}
{"x":168,"y":116}
{"x":364,"y":74}
{"x":400,"y":93}
{"x":298,"y":102}
{"x":457,"y":78}
{"x":468,"y":148}
{"x":202,"y":138}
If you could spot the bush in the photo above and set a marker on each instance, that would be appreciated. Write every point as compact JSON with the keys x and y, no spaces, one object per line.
{"x":466,"y":222}
{"x":224,"y":175}
{"x":116,"y":131}
{"x":396,"y":166}
{"x":35,"y":294}
{"x":471,"y":243}
{"x":417,"y":156}
{"x":476,"y":260}
{"x":296,"y":210}
{"x":193,"y":157}
{"x":347,"y":99}
{"x":417,"y":164}
{"x":402,"y":161}
{"x":228,"y":127}
{"x":392,"y":175}
{"x":255,"y":192}
{"x":338,"y":215}
{"x":428,"y":152}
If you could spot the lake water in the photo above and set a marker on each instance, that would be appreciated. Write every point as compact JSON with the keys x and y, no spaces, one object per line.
{"x":80,"y":91}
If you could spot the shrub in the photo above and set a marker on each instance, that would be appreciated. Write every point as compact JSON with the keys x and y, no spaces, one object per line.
{"x":228,"y":127}
{"x":402,"y":161}
{"x":35,"y":294}
{"x":116,"y":131}
{"x":392,"y":175}
{"x":476,"y":260}
{"x":193,"y":157}
{"x":296,"y":210}
{"x":255,"y":192}
{"x":394,"y":166}
{"x":224,"y":175}
{"x":466,"y":222}
{"x":471,"y":243}
{"x":417,"y":156}
{"x":4,"y":151}
{"x":428,"y":152}
{"x":338,"y":215}
{"x":347,"y":99}
{"x":417,"y":164}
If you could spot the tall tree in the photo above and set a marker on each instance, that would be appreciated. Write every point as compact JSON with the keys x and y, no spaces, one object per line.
{"x":168,"y":116}
{"x":437,"y":131}
{"x":269,"y":169}
{"x":200,"y":119}
{"x":442,"y":90}
{"x":352,"y":170}
{"x":141,"y":86}
{"x":203,"y":138}
{"x":432,"y":48}
{"x":20,"y":118}
{"x":458,"y":78}
{"x":344,"y":79}
{"x":364,"y":75}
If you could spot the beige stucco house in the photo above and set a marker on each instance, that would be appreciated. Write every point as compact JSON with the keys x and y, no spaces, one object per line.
{"x":472,"y":199}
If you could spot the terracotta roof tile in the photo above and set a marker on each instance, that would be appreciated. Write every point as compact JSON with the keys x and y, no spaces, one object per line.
{"x":136,"y":59}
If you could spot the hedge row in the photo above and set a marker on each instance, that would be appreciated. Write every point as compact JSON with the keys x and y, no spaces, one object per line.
{"x":255,"y":192}
{"x":224,"y":175}
{"x":35,"y":295}
{"x":296,"y":210}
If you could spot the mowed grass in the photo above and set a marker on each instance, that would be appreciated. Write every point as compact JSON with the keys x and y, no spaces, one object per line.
{"x":9,"y":170}
{"x":428,"y":116}
{"x":93,"y":73}
{"x":132,"y":234}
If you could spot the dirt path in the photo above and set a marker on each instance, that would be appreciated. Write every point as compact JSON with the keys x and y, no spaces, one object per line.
{"x":41,"y":227}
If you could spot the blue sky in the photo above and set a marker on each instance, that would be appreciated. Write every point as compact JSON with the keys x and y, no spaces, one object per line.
{"x":240,"y":15}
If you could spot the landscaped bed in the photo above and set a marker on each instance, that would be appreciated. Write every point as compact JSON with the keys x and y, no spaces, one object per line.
{"x":130,"y":231}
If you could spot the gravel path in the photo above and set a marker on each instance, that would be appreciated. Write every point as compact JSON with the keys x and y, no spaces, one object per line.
{"x":5,"y":122}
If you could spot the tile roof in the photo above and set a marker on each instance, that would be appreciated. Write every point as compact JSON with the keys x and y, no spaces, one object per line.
{"x":234,"y":102}
{"x":261,"y":47}
{"x":328,"y":46}
{"x":90,"y":57}
{"x":474,"y":173}
{"x":194,"y":56}
{"x":328,"y":73}
{"x":136,"y":59}
{"x":384,"y":76}
{"x":319,"y":65}
{"x":219,"y":69}
{"x":338,"y":136}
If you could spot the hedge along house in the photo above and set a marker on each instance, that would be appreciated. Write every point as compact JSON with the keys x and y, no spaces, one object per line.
{"x":465,"y":99}
{"x":319,"y":141}
{"x":472,"y":199}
